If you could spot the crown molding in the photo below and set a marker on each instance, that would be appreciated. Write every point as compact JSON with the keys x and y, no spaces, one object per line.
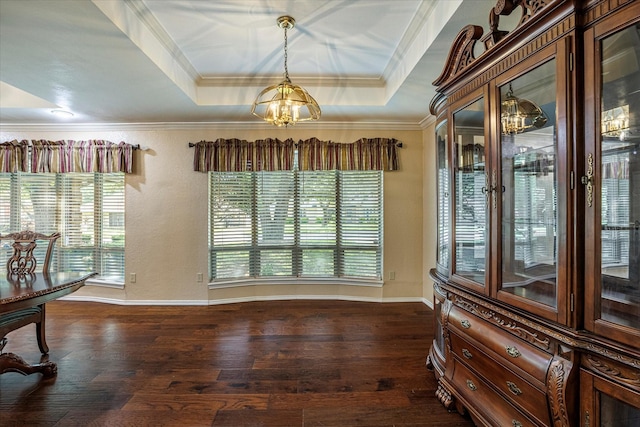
{"x":161,"y":126}
{"x":427,"y":121}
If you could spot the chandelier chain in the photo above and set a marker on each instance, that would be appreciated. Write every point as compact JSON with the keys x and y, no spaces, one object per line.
{"x":286,"y":69}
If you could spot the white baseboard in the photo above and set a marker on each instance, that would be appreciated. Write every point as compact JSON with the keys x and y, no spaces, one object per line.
{"x":245,"y":299}
{"x":133,"y":302}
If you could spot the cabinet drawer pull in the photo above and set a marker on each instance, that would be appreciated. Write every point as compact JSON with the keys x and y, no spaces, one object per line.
{"x":516,"y":423}
{"x":465,"y":324}
{"x":466,"y":353}
{"x":514,"y":388}
{"x":471,"y":385}
{"x":513,"y":351}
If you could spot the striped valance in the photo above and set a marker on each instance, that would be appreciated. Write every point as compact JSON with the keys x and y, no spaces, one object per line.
{"x":13,"y":156}
{"x":234,"y":155}
{"x":66,"y":156}
{"x":616,"y":167}
{"x":365,"y":154}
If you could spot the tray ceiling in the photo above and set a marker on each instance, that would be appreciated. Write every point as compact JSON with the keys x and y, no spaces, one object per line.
{"x":150,"y":61}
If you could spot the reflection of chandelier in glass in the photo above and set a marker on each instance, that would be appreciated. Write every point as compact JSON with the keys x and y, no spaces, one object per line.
{"x":615,"y":122}
{"x":518,"y":115}
{"x":285,"y":103}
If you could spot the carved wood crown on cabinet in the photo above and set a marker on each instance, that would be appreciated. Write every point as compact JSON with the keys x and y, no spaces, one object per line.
{"x":526,"y":331}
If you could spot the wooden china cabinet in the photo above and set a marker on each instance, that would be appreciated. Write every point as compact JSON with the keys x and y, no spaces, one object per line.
{"x":537,"y":282}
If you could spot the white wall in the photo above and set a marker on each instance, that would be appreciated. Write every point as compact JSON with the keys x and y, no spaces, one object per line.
{"x":166,"y":214}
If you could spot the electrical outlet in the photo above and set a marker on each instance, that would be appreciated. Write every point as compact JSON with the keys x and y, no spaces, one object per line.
{"x":132,"y":277}
{"x":200,"y":277}
{"x":392,"y":275}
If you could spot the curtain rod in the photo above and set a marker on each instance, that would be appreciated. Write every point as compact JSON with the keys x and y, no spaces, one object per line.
{"x":134,"y":146}
{"x":192,"y":144}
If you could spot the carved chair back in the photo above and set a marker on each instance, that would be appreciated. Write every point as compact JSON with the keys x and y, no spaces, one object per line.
{"x":23,"y":262}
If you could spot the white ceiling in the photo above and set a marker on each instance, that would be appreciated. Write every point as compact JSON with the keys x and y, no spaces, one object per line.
{"x":205,"y":61}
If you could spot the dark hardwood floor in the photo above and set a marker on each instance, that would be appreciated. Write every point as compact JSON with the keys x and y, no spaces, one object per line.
{"x":281,"y":363}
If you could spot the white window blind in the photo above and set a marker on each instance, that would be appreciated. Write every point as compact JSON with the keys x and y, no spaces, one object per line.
{"x":295,"y":224}
{"x":617,"y":229}
{"x":86,"y":208}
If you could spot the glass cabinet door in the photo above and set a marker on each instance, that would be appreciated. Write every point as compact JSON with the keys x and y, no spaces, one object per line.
{"x":471,"y":193}
{"x":443,"y":197}
{"x":529,"y":188}
{"x":606,"y":404}
{"x":613,"y":183}
{"x":620,"y":180}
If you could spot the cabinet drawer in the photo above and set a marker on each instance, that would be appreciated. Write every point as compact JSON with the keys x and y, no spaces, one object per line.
{"x":516,"y":351}
{"x":493,"y":407}
{"x":517,"y":390}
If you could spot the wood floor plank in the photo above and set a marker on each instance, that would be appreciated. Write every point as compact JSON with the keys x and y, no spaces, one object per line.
{"x":415,"y":416}
{"x":195,"y":402}
{"x":270,"y":418}
{"x":273,"y":364}
{"x":156,"y":418}
{"x":377,"y":399}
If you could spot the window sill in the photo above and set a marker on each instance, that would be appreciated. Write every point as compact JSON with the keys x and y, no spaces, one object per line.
{"x":104,"y":283}
{"x":294,"y":281}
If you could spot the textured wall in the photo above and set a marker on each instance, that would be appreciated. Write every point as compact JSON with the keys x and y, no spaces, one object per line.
{"x":166,"y":216}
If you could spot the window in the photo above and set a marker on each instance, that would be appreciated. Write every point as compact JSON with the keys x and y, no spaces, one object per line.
{"x":312,"y":224}
{"x":86,"y":208}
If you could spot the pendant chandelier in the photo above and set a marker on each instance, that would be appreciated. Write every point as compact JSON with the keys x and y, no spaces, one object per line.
{"x":615,"y":122}
{"x":518,"y":115}
{"x":285,"y":103}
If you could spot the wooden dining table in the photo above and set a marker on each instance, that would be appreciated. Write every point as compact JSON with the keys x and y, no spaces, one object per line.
{"x":22,"y":301}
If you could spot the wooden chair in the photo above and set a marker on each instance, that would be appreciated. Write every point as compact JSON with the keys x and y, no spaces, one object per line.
{"x":21,"y":268}
{"x":23,"y":261}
